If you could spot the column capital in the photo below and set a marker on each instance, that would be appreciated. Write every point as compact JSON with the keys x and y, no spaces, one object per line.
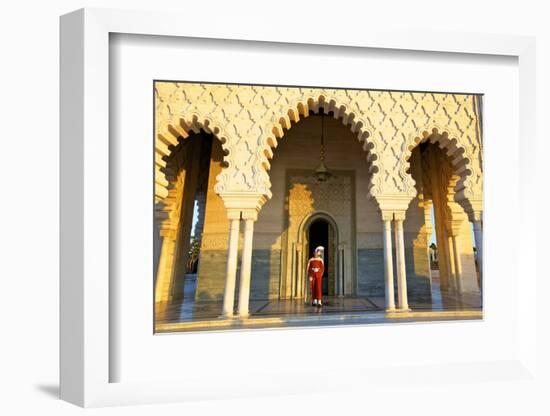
{"x":389,"y":215}
{"x":250,"y":214}
{"x":396,"y":202}
{"x":386,"y":215}
{"x":248,"y":204}
{"x":399,"y":215}
{"x":234,"y":214}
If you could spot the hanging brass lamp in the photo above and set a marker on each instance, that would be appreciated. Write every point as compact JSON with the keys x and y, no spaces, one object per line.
{"x":321,"y":172}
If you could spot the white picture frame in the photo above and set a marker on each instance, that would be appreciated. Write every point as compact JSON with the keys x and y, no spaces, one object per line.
{"x":86,"y":355}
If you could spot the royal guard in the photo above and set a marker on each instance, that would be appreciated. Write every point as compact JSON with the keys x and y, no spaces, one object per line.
{"x":315,"y":270}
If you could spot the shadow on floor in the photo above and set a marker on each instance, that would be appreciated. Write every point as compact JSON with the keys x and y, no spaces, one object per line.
{"x":51,"y":390}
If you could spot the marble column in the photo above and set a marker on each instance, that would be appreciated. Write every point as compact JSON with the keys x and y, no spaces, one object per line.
{"x":165,"y":272}
{"x":403,"y":303}
{"x":246,"y":263}
{"x":457,"y":265}
{"x":231,"y":268}
{"x":298,"y":272}
{"x":388,"y":261}
{"x":187,"y":207}
{"x":451,"y":264}
{"x":201,"y":211}
{"x":478,"y":235}
{"x":341,"y":268}
{"x":428,"y":204}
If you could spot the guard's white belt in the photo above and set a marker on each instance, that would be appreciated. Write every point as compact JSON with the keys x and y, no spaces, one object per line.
{"x":316,"y":269}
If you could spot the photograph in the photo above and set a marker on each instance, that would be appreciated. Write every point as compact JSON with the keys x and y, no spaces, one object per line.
{"x":299,"y":206}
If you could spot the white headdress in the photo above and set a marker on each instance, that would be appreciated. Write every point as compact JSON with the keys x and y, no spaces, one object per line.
{"x":320,"y":249}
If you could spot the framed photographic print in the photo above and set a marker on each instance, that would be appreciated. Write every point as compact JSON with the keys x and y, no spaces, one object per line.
{"x":327,"y":183}
{"x":229,"y":202}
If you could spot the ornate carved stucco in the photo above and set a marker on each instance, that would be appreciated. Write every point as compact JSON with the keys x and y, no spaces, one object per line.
{"x":249,"y":120}
{"x":307,"y":196}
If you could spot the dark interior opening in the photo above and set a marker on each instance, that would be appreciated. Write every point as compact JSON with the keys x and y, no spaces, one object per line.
{"x":318,"y":236}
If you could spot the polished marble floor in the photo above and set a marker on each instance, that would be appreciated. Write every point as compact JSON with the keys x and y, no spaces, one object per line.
{"x":189,"y":311}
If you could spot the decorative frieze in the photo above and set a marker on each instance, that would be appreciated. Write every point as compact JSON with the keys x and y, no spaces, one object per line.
{"x":249,"y":121}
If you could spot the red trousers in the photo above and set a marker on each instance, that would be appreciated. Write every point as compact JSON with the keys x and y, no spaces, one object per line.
{"x":316,"y":286}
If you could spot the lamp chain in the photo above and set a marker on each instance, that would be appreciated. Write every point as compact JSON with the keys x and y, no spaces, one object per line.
{"x":322,"y":136}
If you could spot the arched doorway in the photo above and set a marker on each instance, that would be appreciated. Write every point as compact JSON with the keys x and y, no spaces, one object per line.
{"x":450,"y":236}
{"x":320,"y":229}
{"x":318,"y":236}
{"x":178,"y":235}
{"x":320,"y":135}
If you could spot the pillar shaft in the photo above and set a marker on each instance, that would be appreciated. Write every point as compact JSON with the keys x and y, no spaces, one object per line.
{"x":183,"y":241}
{"x":478,"y":235}
{"x":403,"y":302}
{"x":175,"y":230}
{"x":388,"y":266}
{"x":163,"y":286}
{"x":231,"y":270}
{"x":451,"y":264}
{"x":296,"y":271}
{"x":300,"y":275}
{"x":246,"y":262}
{"x":457,"y":265}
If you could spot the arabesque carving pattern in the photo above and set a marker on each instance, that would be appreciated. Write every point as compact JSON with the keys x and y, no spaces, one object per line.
{"x":307,"y":196}
{"x":249,"y":120}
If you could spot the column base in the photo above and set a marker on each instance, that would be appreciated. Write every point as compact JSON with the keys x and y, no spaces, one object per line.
{"x":399,"y":310}
{"x":226,"y":316}
{"x":389,"y":310}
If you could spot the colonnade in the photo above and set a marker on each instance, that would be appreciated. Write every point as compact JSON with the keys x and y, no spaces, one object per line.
{"x":392,"y":224}
{"x":396,"y":218}
{"x":454,"y":256}
{"x":391,"y":220}
{"x":249,"y":217}
{"x":244,"y":207}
